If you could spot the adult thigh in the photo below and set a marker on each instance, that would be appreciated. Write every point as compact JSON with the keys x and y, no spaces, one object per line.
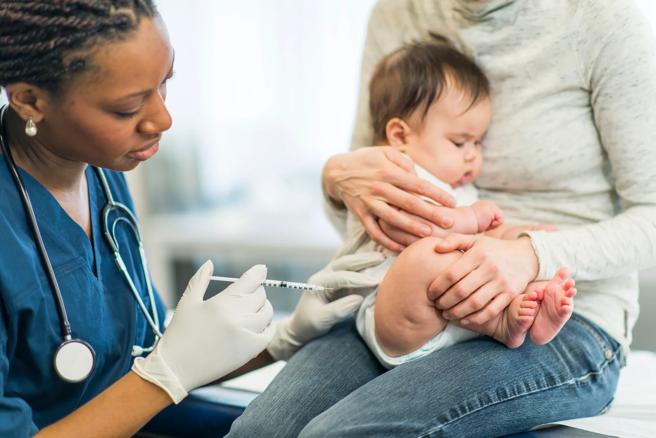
{"x":482,"y":388}
{"x":319,"y":375}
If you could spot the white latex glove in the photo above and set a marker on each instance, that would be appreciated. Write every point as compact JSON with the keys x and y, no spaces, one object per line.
{"x":208,"y":339}
{"x":344,"y":273}
{"x":316,"y":313}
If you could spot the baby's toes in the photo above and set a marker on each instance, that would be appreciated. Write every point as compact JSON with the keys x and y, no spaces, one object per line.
{"x":528,"y":304}
{"x":527,"y":312}
{"x":533,"y":296}
{"x":566,"y":305}
{"x":563,"y":273}
{"x":569,"y":293}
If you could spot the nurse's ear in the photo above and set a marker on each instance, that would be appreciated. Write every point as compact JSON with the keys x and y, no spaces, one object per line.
{"x":28,"y":100}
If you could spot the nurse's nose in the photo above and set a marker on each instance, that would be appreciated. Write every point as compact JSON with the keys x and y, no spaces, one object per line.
{"x":158,"y":119}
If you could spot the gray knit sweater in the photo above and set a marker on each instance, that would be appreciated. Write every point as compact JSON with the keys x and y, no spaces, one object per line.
{"x":573,"y":130}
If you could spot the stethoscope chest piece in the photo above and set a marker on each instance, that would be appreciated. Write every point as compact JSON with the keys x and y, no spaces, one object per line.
{"x":74,"y":360}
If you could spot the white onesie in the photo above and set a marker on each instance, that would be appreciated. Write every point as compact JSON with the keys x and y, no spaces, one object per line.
{"x":357,"y":240}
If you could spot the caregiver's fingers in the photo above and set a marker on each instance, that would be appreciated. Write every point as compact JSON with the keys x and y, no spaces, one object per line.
{"x":477,"y":301}
{"x":451,"y":275}
{"x":405,"y":199}
{"x":398,"y":218}
{"x":400,"y":159}
{"x":410,"y":182}
{"x":489,"y":312}
{"x":463,"y":290}
{"x":397,"y":234}
{"x":455,"y":242}
{"x":374,"y":231}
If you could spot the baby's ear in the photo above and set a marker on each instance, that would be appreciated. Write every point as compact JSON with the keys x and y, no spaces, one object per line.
{"x":397,"y":132}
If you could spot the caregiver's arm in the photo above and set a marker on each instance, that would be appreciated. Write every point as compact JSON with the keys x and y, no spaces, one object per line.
{"x":621,"y":66}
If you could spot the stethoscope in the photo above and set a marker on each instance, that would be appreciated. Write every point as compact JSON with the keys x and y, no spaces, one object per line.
{"x":74,"y":358}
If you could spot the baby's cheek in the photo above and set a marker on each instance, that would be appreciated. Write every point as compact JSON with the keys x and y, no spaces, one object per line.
{"x":478,"y":164}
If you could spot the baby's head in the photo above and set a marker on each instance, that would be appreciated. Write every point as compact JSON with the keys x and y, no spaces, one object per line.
{"x":433,"y":103}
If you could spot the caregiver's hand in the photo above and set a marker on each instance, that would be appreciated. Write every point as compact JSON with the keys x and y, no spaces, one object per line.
{"x":407,"y":239}
{"x":481,"y":283}
{"x":316,"y":313}
{"x":208,"y":339}
{"x":372,"y":181}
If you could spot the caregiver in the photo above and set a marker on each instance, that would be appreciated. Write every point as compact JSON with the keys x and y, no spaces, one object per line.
{"x":571,"y":144}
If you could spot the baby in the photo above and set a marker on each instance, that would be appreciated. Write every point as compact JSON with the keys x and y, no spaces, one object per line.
{"x":433,"y":103}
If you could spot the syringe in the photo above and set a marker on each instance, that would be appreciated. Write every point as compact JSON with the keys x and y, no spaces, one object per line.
{"x":280,"y":283}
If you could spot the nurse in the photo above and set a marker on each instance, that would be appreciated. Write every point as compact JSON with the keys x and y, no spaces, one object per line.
{"x":86,"y":83}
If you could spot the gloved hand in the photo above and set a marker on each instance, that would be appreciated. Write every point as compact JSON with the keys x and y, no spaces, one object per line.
{"x":208,"y":339}
{"x":316,"y":313}
{"x":344,"y":274}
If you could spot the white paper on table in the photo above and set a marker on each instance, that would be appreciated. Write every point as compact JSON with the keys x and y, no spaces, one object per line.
{"x":633,"y":412}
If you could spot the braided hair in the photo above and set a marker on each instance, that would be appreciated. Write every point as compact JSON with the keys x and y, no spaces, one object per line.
{"x":42,"y":42}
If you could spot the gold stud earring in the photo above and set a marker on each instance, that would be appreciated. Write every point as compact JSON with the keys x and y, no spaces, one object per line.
{"x":30,"y":128}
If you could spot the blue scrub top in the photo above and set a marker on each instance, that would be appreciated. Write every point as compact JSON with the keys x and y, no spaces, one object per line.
{"x":100,"y":306}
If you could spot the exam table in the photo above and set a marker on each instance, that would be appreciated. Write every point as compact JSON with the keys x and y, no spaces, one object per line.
{"x":209,"y":411}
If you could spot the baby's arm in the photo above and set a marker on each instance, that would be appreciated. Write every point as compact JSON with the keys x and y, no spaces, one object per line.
{"x":473,"y":219}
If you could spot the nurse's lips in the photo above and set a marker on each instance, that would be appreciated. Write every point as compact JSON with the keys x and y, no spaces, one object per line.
{"x":146,"y":152}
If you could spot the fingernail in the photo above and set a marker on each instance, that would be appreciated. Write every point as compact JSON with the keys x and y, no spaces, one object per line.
{"x":447,"y":221}
{"x":447,"y":316}
{"x":426,"y":231}
{"x":464,"y":321}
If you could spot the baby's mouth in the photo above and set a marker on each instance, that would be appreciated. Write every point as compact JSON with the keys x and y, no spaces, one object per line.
{"x":467,"y":178}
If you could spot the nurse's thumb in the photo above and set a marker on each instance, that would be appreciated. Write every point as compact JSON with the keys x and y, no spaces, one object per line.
{"x":198,"y":284}
{"x":249,"y":281}
{"x":340,"y":309}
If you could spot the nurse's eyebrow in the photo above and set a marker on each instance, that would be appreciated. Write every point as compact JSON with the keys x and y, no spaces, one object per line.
{"x":144,"y":92}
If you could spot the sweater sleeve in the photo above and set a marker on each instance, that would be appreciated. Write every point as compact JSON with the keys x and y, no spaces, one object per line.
{"x":618,"y":60}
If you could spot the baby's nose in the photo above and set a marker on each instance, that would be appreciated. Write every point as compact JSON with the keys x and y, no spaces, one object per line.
{"x":470,"y":156}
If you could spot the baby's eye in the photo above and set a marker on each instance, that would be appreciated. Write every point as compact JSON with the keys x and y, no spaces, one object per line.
{"x":457,"y":144}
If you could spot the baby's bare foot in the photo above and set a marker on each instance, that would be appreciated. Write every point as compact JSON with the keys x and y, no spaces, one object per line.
{"x":556,"y":307}
{"x":517,"y":319}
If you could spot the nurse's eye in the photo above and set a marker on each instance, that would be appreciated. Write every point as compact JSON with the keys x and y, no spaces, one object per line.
{"x":126,"y":115}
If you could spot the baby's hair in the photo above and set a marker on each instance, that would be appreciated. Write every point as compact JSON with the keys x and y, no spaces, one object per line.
{"x":415,"y":75}
{"x":41,"y":41}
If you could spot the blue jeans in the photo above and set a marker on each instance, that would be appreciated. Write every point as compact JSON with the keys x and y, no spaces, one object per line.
{"x":334,"y":387}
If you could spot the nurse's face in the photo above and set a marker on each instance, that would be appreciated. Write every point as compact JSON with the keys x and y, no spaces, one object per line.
{"x":113,"y":114}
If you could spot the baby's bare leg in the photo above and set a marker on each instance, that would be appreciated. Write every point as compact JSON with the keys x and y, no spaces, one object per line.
{"x":405,"y":319}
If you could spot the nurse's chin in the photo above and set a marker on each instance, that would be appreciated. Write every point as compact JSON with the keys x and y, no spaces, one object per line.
{"x":124,"y":164}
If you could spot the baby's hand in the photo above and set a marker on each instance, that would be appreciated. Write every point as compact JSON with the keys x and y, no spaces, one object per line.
{"x":487,"y":214}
